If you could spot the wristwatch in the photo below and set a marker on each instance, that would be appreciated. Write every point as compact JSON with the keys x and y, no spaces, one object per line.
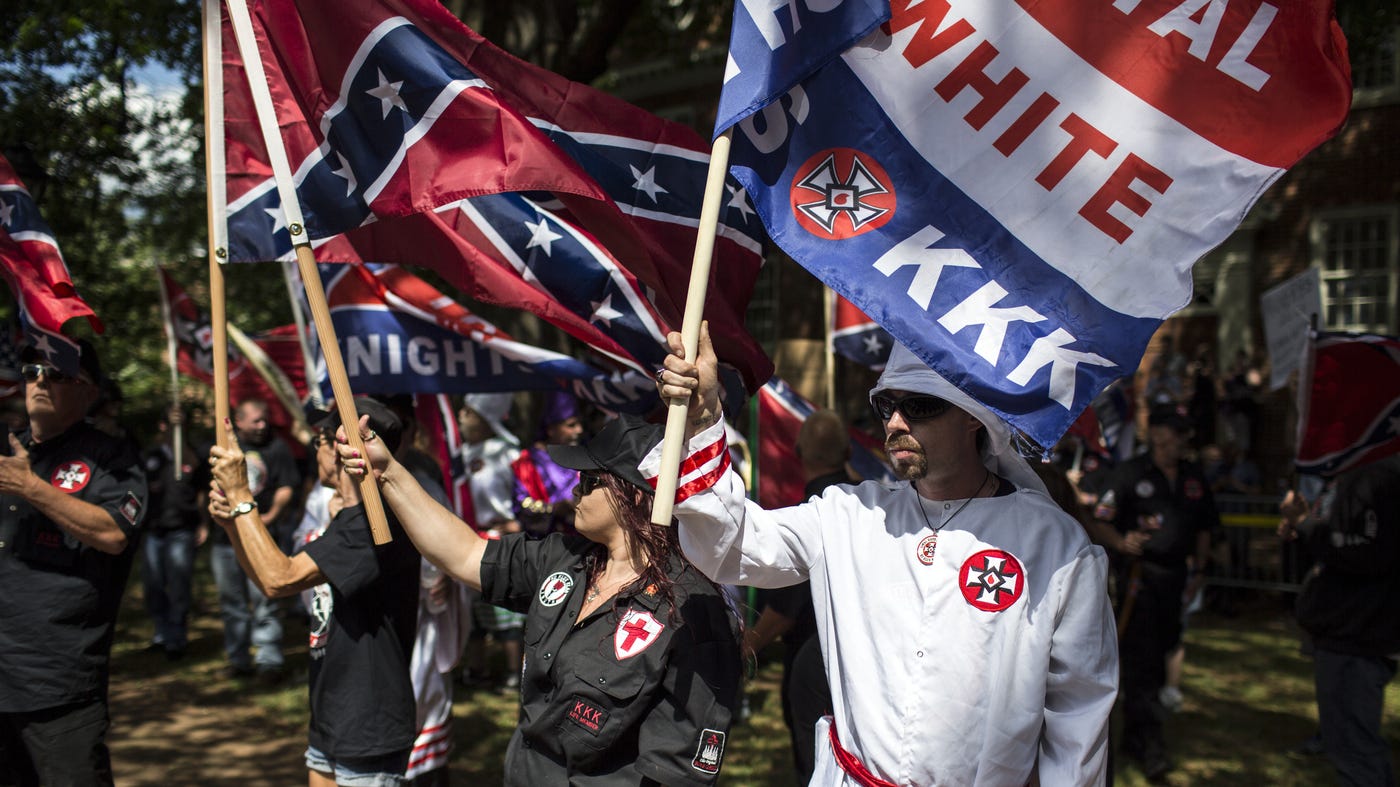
{"x":246,"y":507}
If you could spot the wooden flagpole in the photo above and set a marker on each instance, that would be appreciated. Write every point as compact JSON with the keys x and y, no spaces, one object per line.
{"x":676,"y":409}
{"x":215,"y":199}
{"x":306,"y":259}
{"x":172,"y":348}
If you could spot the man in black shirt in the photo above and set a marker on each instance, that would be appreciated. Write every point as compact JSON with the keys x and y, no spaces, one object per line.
{"x":1158,"y":515}
{"x":174,"y":530}
{"x":363,"y":616}
{"x":71,"y":502}
{"x":250,"y":618}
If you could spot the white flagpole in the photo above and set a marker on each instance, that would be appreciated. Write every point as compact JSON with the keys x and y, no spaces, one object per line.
{"x":306,"y":259}
{"x":172,"y":348}
{"x":829,"y":305}
{"x":666,"y":482}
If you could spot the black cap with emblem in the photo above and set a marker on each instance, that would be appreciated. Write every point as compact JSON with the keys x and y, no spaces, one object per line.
{"x":617,"y":448}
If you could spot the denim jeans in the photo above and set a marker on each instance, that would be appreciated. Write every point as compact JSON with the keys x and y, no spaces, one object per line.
{"x":250,"y":618}
{"x":167,"y":564}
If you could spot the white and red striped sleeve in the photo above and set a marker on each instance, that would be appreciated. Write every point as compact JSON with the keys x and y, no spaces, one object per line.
{"x":730,"y":538}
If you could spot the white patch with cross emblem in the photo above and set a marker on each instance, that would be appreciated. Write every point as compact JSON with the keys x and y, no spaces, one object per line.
{"x":635,"y":633}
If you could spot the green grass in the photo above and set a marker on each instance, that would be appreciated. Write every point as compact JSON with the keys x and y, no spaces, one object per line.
{"x":1249,"y":700}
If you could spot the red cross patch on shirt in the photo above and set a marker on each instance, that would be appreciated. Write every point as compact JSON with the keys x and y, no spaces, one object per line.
{"x":637,"y":630}
{"x":71,"y":477}
{"x":991,"y":580}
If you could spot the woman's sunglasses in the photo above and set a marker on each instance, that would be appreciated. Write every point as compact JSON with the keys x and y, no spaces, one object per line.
{"x":913,"y":408}
{"x":587,"y":482}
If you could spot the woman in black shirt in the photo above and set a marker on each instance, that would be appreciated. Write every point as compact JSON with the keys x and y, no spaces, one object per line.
{"x":632,"y":666}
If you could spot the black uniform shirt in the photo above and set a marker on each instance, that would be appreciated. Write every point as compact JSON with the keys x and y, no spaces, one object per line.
{"x":637,"y":693}
{"x":1140,"y":492}
{"x":60,"y":597}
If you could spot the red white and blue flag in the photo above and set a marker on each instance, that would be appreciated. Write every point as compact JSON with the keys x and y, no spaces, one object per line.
{"x":857,"y":337}
{"x":1351,"y":415}
{"x":38,"y":277}
{"x":781,"y":411}
{"x":398,"y":334}
{"x":415,"y":141}
{"x":1017,"y":190}
{"x":437,"y":420}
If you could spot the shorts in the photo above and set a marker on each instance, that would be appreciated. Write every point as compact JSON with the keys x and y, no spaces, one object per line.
{"x":385,"y":770}
{"x":486,"y":617}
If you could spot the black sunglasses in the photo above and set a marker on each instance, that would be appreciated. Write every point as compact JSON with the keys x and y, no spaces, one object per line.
{"x":913,"y":408}
{"x":33,"y":371}
{"x":587,"y":482}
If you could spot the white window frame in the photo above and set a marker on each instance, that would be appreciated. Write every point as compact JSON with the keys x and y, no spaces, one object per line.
{"x":1389,"y":303}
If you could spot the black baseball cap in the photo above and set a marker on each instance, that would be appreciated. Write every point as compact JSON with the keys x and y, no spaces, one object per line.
{"x":87,"y":359}
{"x":1170,"y":415}
{"x":381,"y":419}
{"x":618,"y":448}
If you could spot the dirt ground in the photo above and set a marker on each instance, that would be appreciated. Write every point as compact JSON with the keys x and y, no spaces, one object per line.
{"x":176,"y":723}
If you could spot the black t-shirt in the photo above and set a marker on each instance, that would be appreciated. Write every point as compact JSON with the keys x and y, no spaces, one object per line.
{"x":60,"y":597}
{"x":270,"y":467}
{"x":1140,"y":492}
{"x":637,"y":693}
{"x":174,"y":504}
{"x":363,"y":624}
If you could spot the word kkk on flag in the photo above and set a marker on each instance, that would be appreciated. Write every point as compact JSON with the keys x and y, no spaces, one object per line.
{"x":38,"y":277}
{"x":1017,"y":190}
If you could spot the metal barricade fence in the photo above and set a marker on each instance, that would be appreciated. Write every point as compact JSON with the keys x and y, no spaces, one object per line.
{"x":1249,"y":553}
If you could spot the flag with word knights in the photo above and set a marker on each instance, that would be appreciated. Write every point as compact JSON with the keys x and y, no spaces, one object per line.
{"x":418,"y":142}
{"x":398,"y":334}
{"x":781,"y":411}
{"x":1017,"y":190}
{"x":1351,"y":415}
{"x":856,"y":337}
{"x":38,"y":277}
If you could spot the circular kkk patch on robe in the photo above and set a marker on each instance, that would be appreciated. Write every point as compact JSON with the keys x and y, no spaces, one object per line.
{"x":992,"y":580}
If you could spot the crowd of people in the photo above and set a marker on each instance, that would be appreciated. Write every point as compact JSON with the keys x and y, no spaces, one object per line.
{"x":978,"y":575}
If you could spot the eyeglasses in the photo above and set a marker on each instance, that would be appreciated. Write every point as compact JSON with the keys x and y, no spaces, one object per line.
{"x":913,"y":408}
{"x":587,"y":482}
{"x":323,"y":437}
{"x":33,"y":371}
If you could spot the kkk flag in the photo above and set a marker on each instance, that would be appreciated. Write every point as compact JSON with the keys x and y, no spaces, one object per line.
{"x":415,"y":141}
{"x":1351,"y":415}
{"x":398,"y":334}
{"x":781,"y":412}
{"x":856,"y":337}
{"x":1017,"y":190}
{"x":38,"y":277}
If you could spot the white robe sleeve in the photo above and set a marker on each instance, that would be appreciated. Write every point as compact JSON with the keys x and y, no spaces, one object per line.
{"x":730,"y":538}
{"x":1082,"y":679}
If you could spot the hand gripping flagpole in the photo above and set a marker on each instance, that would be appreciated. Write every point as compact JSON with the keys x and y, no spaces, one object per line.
{"x":306,"y":259}
{"x":676,"y":409}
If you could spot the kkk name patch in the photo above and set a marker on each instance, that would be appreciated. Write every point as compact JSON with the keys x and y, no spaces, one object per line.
{"x":131,"y":508}
{"x":587,"y":715}
{"x":710,"y":752}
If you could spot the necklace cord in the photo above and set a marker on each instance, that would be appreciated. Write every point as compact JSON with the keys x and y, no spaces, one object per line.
{"x":945,"y":522}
